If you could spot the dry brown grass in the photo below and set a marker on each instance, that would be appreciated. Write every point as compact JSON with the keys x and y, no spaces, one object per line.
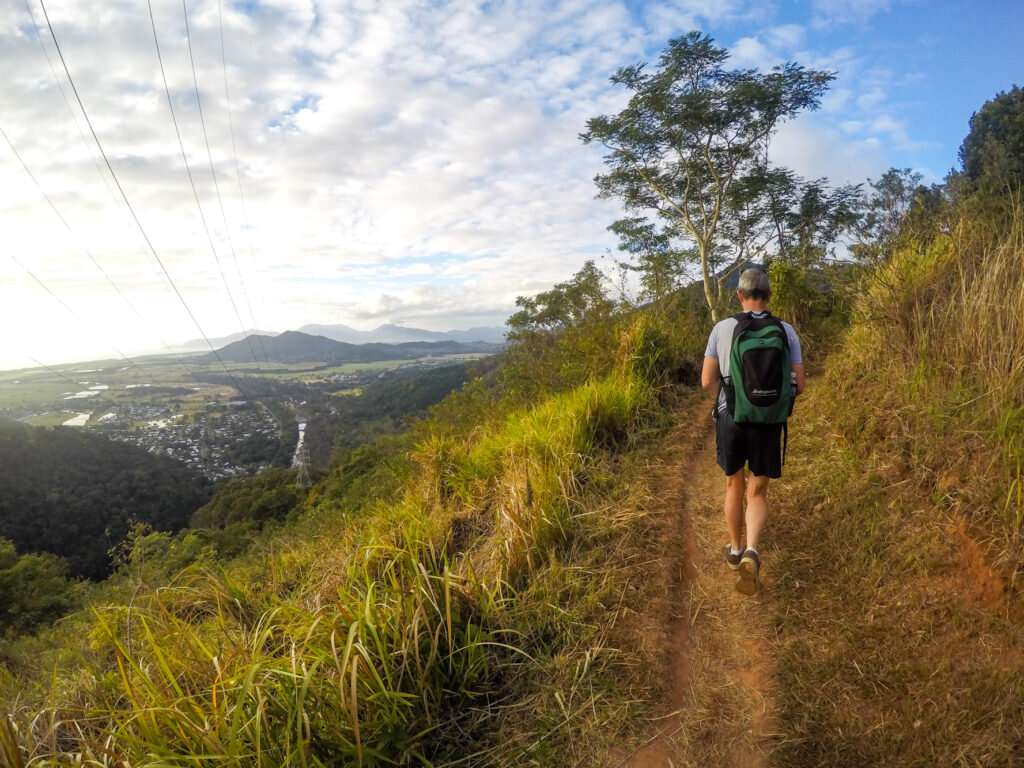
{"x":935,"y":368}
{"x":891,"y":645}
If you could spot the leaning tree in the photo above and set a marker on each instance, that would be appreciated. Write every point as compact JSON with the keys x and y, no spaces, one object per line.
{"x":690,"y":150}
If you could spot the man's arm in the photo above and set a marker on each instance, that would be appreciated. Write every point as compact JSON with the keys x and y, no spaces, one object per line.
{"x":709,"y":374}
{"x":798,"y":371}
{"x":797,"y":356}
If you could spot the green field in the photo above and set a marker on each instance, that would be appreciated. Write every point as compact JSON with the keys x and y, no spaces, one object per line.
{"x":148,"y":381}
{"x":38,"y":395}
{"x":51,"y":419}
{"x":26,"y":392}
{"x":311,"y":372}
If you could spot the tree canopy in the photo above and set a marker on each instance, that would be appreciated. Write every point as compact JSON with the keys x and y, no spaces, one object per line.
{"x":77,"y":494}
{"x":34,"y":589}
{"x":690,"y":149}
{"x":993,"y":152}
{"x":899,"y":210}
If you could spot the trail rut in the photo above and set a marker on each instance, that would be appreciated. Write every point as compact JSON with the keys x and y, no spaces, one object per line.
{"x":718,"y":708}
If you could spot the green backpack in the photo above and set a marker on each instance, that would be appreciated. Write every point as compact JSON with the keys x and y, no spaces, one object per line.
{"x":759,"y":390}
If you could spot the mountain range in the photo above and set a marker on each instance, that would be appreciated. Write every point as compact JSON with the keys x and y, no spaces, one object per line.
{"x":384,"y":334}
{"x":298,"y":347}
{"x":398,"y":334}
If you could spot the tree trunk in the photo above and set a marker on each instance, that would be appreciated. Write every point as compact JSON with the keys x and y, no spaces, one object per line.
{"x":709,"y":282}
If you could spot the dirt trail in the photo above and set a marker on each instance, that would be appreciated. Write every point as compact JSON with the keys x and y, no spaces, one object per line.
{"x":719,"y":707}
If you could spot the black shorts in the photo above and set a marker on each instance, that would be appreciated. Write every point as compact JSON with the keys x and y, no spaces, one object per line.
{"x":759,"y":447}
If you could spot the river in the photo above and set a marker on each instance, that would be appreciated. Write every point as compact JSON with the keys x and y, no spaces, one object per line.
{"x":297,"y":458}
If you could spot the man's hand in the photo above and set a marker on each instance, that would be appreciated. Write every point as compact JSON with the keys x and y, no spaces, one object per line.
{"x":798,"y":371}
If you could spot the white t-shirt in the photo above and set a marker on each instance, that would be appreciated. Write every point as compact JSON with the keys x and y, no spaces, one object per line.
{"x":720,"y":342}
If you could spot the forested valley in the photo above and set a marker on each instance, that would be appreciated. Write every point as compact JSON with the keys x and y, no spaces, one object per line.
{"x":73,"y":503}
{"x":77,"y":495}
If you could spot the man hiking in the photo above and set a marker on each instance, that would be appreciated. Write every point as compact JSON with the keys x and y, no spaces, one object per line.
{"x":753,"y":403}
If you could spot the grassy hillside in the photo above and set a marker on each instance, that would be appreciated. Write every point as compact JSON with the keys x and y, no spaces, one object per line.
{"x":936,"y":364}
{"x":463,"y":619}
{"x":898,"y":550}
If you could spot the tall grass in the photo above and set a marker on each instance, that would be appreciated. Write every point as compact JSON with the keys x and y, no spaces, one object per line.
{"x":939,"y":348}
{"x":892,"y":644}
{"x":897,"y":566}
{"x":404,"y":642}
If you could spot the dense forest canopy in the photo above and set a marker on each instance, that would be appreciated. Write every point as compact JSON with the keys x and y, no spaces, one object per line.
{"x":76,"y":494}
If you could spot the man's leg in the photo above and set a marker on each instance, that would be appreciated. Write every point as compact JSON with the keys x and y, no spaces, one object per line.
{"x":757,"y":508}
{"x":734,"y":485}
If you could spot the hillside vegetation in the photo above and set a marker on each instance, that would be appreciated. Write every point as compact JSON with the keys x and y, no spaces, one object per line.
{"x":898,"y":551}
{"x":936,"y":362}
{"x":418,"y":629}
{"x":76,"y":495}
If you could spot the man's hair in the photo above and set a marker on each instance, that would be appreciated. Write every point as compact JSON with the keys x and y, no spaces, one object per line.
{"x":754,"y":284}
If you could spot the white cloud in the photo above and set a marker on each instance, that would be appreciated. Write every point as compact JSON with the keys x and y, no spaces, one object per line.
{"x":398,"y":158}
{"x":831,"y":12}
{"x":713,"y":10}
{"x":786,"y":36}
{"x":836,"y":101}
{"x":814,"y":150}
{"x":367,"y":134}
{"x":871,"y":99}
{"x":769,"y":48}
{"x":750,"y":52}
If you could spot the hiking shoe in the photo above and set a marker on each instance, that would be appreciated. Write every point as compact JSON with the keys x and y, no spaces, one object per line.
{"x":749,"y":567}
{"x":730,"y":558}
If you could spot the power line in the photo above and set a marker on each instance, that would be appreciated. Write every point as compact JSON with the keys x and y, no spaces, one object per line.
{"x":216,"y":185}
{"x":72,"y":312}
{"x":71,"y":232}
{"x":106,"y":183}
{"x":135,"y":217}
{"x":238,"y":171}
{"x":191,"y":180}
{"x":67,"y":103}
{"x":99,"y":170}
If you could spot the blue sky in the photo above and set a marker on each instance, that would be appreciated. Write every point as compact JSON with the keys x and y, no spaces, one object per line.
{"x":943,"y":61}
{"x":399,"y":161}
